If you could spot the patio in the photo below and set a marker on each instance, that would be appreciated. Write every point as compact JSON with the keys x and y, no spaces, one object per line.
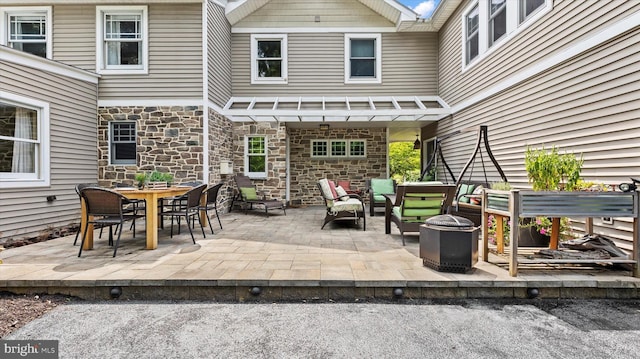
{"x":286,"y":258}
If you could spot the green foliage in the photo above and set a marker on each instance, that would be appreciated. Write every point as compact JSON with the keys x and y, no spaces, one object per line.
{"x":141,"y":178}
{"x":404,"y":161}
{"x":552,"y":171}
{"x":501,"y":186}
{"x":160,"y":177}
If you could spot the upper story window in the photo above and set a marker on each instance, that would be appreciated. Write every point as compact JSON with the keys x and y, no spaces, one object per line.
{"x":363,"y":58}
{"x":122,"y":143}
{"x":24,"y":147}
{"x":528,"y":8}
{"x":268,"y":59}
{"x":121,"y":39}
{"x":497,"y":20}
{"x":487,"y":24}
{"x":255,"y":156}
{"x":27,"y":29}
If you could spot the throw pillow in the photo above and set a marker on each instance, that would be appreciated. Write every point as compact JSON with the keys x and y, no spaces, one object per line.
{"x":332,"y":186}
{"x":477,"y":192}
{"x":342,"y":193}
{"x":249,"y":194}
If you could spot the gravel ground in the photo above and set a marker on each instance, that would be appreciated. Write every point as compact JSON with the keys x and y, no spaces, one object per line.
{"x":18,"y":310}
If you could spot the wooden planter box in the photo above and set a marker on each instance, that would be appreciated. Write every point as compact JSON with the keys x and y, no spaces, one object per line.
{"x":518,"y":204}
{"x":157,"y":185}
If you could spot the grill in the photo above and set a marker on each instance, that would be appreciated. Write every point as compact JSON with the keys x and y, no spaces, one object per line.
{"x":449,"y":243}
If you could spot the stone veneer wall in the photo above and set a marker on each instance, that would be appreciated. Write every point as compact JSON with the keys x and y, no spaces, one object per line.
{"x":274,"y":186}
{"x":221,"y":149}
{"x":169,"y":139}
{"x":306,"y":171}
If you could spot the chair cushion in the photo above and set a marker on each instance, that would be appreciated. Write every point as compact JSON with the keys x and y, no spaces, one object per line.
{"x":379,"y":198}
{"x":464,"y":190}
{"x":342,"y":193}
{"x":326,"y":191}
{"x":351,"y":204}
{"x":477,"y":192}
{"x":249,"y":193}
{"x":382,"y":186}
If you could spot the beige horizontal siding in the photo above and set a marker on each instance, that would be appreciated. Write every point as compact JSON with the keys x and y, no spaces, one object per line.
{"x":175,"y":51}
{"x":316,"y":66}
{"x":219,"y":56}
{"x":587,"y":105}
{"x":568,"y":22}
{"x":302,"y":13}
{"x":73,"y":136}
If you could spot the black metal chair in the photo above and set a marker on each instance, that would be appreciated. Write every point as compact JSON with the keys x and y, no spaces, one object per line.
{"x":105,"y":207}
{"x":212,"y":203}
{"x":187,"y":206}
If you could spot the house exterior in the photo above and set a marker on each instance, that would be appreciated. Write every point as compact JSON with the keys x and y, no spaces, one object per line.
{"x":207,"y":89}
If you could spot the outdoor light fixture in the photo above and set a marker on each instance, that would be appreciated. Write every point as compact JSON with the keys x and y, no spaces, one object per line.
{"x":324,"y":126}
{"x":416,"y":145}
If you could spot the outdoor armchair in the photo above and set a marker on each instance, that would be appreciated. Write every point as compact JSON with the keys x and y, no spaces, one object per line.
{"x":377,"y":187}
{"x":341,"y":206}
{"x":187,"y":206}
{"x":416,"y":203}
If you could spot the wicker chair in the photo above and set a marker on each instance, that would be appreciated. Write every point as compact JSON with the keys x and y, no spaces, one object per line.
{"x":187,"y":206}
{"x":248,"y":196}
{"x":212,"y":204}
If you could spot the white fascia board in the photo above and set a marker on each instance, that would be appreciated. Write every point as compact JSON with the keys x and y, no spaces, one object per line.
{"x":25,"y":59}
{"x":309,"y":30}
{"x":550,"y":62}
{"x":100,"y":2}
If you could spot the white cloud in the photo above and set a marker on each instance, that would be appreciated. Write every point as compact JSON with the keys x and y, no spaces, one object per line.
{"x":425,"y":8}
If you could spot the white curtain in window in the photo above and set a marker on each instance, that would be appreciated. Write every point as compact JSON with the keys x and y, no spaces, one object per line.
{"x":23,"y":152}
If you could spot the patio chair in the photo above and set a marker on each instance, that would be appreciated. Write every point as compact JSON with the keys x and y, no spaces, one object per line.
{"x":416,"y":203}
{"x":376,"y":187}
{"x":167,"y":201}
{"x":341,"y":206}
{"x":248,"y":196}
{"x":187,"y":206}
{"x":105,"y":208}
{"x":211,"y":203}
{"x":78,"y":188}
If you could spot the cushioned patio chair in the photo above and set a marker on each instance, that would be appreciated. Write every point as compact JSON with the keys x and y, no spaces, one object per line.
{"x":416,"y":203}
{"x":248,"y":196}
{"x":341,"y":206}
{"x":376,"y":187}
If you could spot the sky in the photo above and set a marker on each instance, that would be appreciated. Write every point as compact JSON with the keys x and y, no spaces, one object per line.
{"x":422,"y":7}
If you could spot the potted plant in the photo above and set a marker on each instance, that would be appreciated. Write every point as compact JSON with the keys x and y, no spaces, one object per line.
{"x":160,"y":180}
{"x":549,"y":170}
{"x":141,"y":179}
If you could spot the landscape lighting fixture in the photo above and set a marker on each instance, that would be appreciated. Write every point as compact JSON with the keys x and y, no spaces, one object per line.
{"x":324,"y":126}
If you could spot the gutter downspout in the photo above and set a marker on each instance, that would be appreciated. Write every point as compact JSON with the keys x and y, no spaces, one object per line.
{"x":205,"y":96}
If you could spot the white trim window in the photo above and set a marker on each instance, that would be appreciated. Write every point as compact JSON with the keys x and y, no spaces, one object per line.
{"x":488,"y":24}
{"x":255,"y":156}
{"x":27,"y":29}
{"x":362,"y":58}
{"x":122,"y":40}
{"x":269,"y":59}
{"x":122,"y":142}
{"x":338,"y":148}
{"x":24,"y":142}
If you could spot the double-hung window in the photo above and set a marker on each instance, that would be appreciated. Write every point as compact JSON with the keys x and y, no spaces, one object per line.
{"x":268,"y":59}
{"x":121,"y":39}
{"x":27,"y":29}
{"x":363,"y":58}
{"x":497,"y":20}
{"x":123,"y":142}
{"x":488,"y":24}
{"x":472,"y":39}
{"x":255,"y":156}
{"x":24,"y":146}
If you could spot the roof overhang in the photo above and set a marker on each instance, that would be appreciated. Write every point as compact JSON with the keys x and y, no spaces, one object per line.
{"x":403,"y":17}
{"x":385,"y":110}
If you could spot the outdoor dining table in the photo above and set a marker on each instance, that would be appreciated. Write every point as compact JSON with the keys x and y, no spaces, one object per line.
{"x":151,"y":196}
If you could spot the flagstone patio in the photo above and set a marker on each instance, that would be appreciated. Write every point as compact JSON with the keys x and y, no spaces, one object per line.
{"x":284,"y":258}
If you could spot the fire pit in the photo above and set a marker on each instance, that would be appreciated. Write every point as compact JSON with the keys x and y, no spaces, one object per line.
{"x":449,"y":243}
